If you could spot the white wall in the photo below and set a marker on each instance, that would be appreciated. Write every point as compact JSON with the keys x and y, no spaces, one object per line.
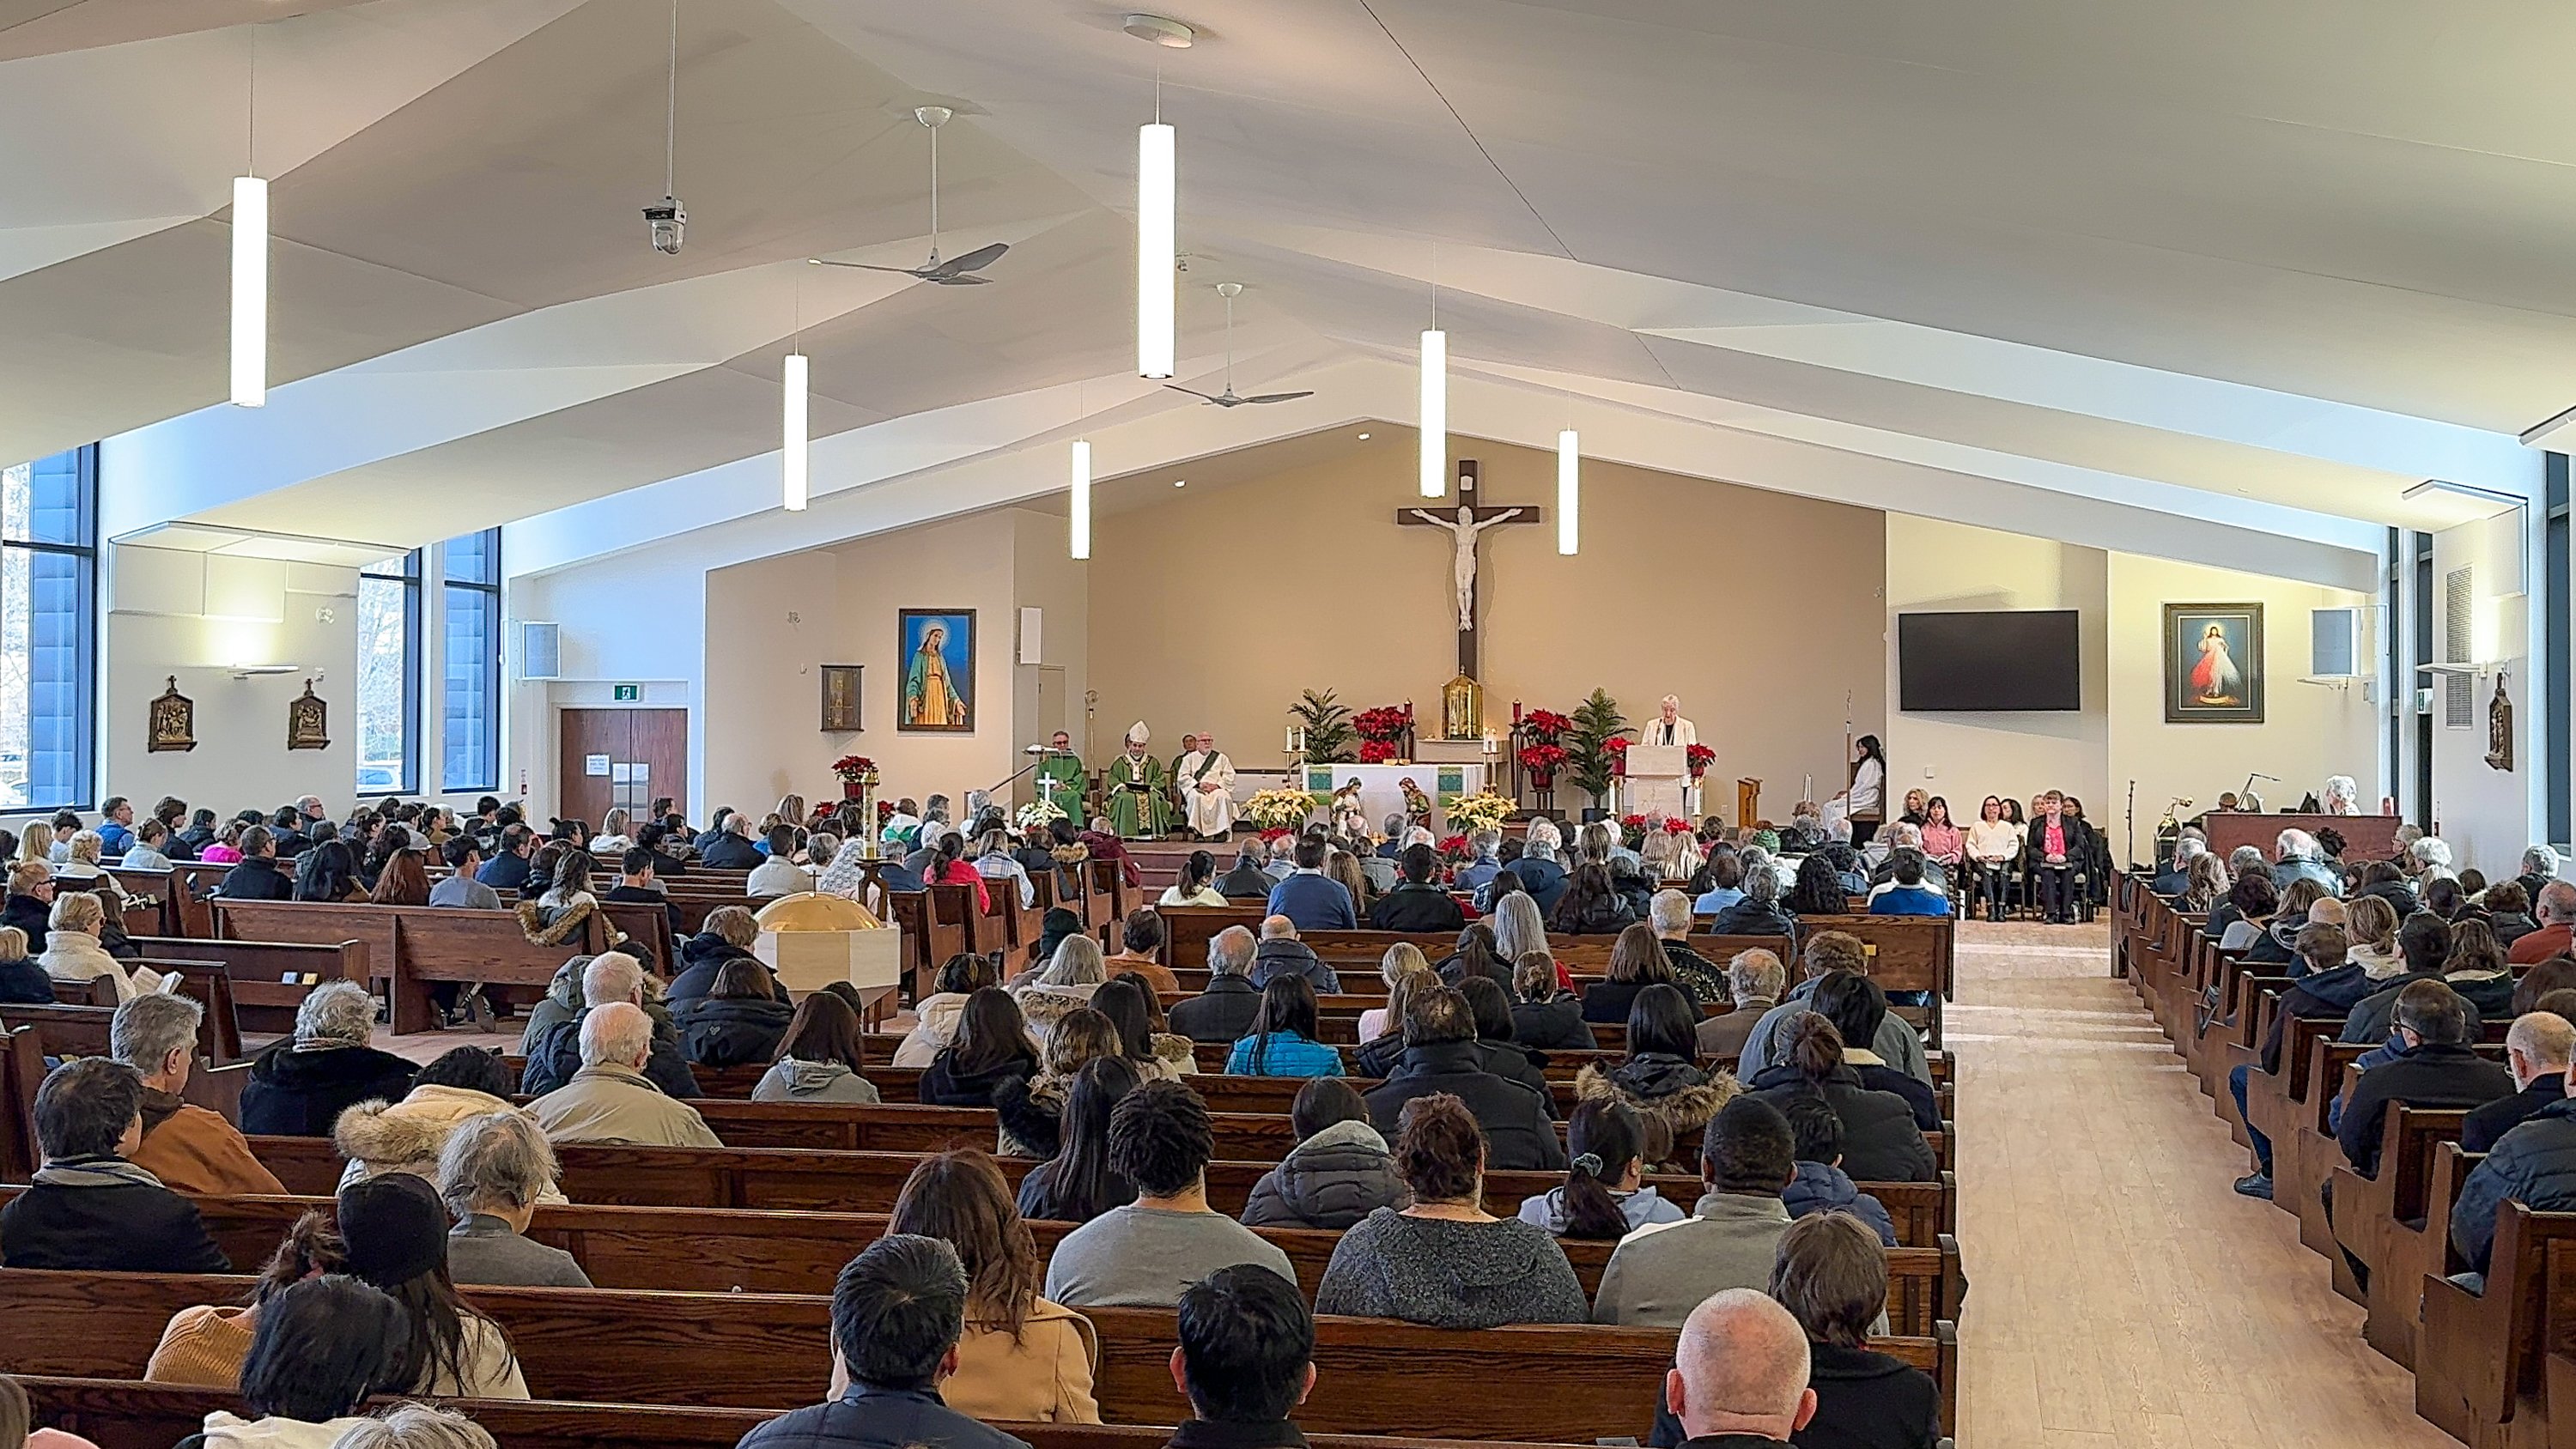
{"x":1935,"y":565}
{"x":2488,"y":816}
{"x":2309,"y":731}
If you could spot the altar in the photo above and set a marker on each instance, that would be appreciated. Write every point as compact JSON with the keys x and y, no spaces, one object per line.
{"x":1381,"y":794}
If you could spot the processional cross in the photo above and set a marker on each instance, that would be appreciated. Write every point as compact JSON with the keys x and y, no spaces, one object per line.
{"x":1466,"y":523}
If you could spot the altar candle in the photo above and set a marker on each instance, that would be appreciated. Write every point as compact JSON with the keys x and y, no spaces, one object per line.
{"x":1291,"y":746}
{"x":1516,"y":712}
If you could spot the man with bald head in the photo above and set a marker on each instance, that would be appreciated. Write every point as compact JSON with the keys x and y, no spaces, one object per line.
{"x":2555,"y":909}
{"x":1282,"y":954}
{"x":2538,"y":1049}
{"x":1739,"y":1375}
{"x":610,"y":1099}
{"x":553,"y":1049}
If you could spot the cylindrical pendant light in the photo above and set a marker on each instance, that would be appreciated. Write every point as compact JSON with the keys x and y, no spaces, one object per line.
{"x":1157,"y":203}
{"x":1435,"y":413}
{"x":795,"y":455}
{"x":1081,"y":498}
{"x":250,"y":291}
{"x":1569,"y":490}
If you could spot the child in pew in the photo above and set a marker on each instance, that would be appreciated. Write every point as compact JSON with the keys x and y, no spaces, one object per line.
{"x":1604,"y":1197}
{"x":1821,"y":1185}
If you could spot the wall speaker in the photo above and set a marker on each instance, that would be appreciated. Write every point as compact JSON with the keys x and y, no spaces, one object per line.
{"x":540,"y":650}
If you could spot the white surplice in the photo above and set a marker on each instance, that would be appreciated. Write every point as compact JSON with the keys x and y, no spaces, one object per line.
{"x":1211,"y":812}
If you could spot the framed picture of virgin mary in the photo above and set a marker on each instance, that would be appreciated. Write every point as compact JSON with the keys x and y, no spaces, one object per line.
{"x":2214,"y":664}
{"x":938,"y":693}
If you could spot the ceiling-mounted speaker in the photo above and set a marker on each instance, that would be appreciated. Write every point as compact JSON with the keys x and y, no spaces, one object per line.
{"x":1032,"y":624}
{"x":540,"y":650}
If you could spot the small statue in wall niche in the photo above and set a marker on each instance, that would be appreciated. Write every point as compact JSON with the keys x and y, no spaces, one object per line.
{"x":308,"y":722}
{"x":2500,"y":728}
{"x":173,"y":721}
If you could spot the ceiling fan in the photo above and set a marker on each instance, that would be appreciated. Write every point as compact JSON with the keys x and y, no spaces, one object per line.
{"x":1230,"y":398}
{"x":953,"y":271}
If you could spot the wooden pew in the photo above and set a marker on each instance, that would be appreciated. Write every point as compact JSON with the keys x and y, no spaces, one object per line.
{"x":75,"y":1029}
{"x":413,"y":946}
{"x":771,"y":1351}
{"x":22,"y":1071}
{"x":127,"y":1414}
{"x":270,"y":979}
{"x":2478,"y":1360}
{"x":2381,"y":1221}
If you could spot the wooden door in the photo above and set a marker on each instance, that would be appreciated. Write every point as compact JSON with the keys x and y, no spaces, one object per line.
{"x":613,"y":758}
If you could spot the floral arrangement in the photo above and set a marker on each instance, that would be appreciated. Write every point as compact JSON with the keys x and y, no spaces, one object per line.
{"x":1453,"y":849}
{"x":885,"y":811}
{"x":1635,"y":824}
{"x":1386,"y":722}
{"x":1700,"y":758}
{"x":1274,"y":833}
{"x":1543,"y":760}
{"x":1377,"y":752}
{"x":1677,"y":826}
{"x":1280,"y":808}
{"x":1617,"y":748}
{"x":1545,"y":725}
{"x":1483,"y":810}
{"x":853,"y":767}
{"x":1040,"y":813}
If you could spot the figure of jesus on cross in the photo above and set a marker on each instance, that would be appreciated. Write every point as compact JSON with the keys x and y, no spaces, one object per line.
{"x":1466,"y":525}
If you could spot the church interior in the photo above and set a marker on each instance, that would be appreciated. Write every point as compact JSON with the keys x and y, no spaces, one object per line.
{"x":2051,"y":521}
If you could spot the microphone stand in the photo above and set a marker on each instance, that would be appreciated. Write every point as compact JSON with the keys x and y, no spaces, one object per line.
{"x":1035,"y":760}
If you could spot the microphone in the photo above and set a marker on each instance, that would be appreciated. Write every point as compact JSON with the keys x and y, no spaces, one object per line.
{"x":1041,"y":749}
{"x":2275,"y":779}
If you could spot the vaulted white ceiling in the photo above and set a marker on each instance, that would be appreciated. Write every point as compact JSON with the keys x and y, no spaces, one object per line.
{"x":2237,"y":262}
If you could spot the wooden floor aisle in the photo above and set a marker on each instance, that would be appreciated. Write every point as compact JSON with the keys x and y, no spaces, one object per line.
{"x":2121,"y":1295}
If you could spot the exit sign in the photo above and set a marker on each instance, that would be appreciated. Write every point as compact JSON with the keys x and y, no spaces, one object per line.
{"x":627,"y":693}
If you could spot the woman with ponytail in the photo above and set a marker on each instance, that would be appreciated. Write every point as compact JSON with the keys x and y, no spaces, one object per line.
{"x":1602,"y":1198}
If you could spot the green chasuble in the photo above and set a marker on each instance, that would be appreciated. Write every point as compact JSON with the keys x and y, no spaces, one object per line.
{"x":1061,"y":779}
{"x":1135,"y":814}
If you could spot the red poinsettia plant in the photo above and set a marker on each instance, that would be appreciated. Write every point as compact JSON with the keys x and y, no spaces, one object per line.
{"x":1634,"y":824}
{"x":1618,"y":745}
{"x":1700,"y":758}
{"x":1542,"y":760}
{"x":1545,"y":725}
{"x":885,"y":811}
{"x":851,"y":767}
{"x":1376,"y":752}
{"x":1386,"y":723}
{"x":1677,"y":826}
{"x":1454,"y":849}
{"x":1273,"y":833}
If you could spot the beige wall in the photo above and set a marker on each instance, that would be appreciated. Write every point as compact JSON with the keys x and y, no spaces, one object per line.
{"x":2309,"y":731}
{"x":1212,"y":610}
{"x":1931,"y":566}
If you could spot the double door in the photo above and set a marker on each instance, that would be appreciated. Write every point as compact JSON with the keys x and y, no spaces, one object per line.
{"x":621,"y":759}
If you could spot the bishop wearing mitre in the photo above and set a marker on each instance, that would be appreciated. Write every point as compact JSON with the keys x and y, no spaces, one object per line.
{"x":1134,"y":784}
{"x":1205,"y":778}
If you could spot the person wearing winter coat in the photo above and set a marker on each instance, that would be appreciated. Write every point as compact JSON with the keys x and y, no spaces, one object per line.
{"x":408,"y":1135}
{"x":729,"y":935}
{"x":1821,"y":1185}
{"x":1032,"y":1109}
{"x":991,"y":1047}
{"x":1065,"y":985}
{"x":1604,"y":1197}
{"x":1281,"y":953}
{"x":1820,"y":955}
{"x":300,"y":1086}
{"x":190,"y":1149}
{"x":1545,"y":1017}
{"x":935,"y":1016}
{"x":88,"y":1208}
{"x":820,"y":1058}
{"x":1340,"y":1171}
{"x":1022,"y":1358}
{"x":1880,"y":1141}
{"x":1858,"y":1008}
{"x":2534,"y":1164}
{"x":1444,"y":1261}
{"x":1282,"y":1040}
{"x":554,"y":1051}
{"x":1659,"y":1080}
{"x":1441,"y":1055}
{"x":737,"y":1022}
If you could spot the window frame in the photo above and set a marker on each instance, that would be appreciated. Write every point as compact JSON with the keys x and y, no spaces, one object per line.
{"x":85,"y":655}
{"x":407,"y":780}
{"x":488,"y":588}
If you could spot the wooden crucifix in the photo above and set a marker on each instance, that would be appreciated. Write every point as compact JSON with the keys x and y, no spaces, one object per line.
{"x":1465,"y":523}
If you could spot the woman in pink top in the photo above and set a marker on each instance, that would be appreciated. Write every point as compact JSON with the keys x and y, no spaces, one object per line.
{"x":225,"y":849}
{"x":948,"y":867}
{"x":1941,"y":839}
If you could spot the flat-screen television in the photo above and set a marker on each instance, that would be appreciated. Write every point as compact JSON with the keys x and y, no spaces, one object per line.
{"x":1994,"y":659}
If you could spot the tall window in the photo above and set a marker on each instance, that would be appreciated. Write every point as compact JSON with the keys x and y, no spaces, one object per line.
{"x":2555,"y":585}
{"x":470,"y":572}
{"x":389,"y":676}
{"x":48,"y":610}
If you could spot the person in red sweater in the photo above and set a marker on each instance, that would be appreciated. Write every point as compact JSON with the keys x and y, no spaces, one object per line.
{"x":2556,"y":909}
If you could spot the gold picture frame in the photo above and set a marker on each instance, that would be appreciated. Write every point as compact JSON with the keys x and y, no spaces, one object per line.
{"x":308,"y":721}
{"x":172,"y":722}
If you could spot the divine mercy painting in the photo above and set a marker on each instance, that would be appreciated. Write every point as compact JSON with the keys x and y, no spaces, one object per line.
{"x":2213,"y":663}
{"x":938,"y":672}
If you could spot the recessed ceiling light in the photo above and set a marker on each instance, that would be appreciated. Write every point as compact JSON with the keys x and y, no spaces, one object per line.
{"x":1363,"y":437}
{"x":1161,"y":30}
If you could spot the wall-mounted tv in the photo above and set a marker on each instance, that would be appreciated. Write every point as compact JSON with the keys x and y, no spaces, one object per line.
{"x":1989,"y":660}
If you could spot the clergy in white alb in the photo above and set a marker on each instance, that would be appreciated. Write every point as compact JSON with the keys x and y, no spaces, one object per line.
{"x":1669,"y":728}
{"x":1205,"y":779}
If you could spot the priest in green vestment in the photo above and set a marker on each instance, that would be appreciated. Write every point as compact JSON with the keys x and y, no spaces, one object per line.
{"x":1061,"y":779}
{"x":1136,"y":785}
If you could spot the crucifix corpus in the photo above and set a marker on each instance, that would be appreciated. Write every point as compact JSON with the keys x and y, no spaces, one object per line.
{"x":1466,"y":524}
